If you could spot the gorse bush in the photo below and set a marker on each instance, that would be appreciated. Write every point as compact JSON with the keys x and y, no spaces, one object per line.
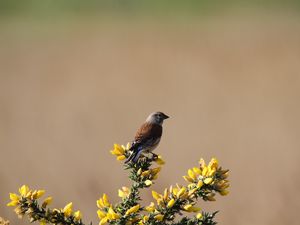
{"x":204,"y":182}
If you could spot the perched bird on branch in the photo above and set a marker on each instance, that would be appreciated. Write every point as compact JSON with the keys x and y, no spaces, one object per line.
{"x":148,"y":136}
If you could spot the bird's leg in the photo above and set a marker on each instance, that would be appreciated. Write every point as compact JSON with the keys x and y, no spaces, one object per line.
{"x":154,"y":156}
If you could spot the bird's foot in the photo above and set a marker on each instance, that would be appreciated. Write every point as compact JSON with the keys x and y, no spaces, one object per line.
{"x":154,"y":156}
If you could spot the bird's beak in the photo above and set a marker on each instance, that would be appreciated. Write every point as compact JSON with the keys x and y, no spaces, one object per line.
{"x":166,"y":117}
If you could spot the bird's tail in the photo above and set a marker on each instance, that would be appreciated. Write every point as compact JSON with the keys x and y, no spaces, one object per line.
{"x":134,"y":156}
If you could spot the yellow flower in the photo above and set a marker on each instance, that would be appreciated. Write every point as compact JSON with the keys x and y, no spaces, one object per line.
{"x":77,"y":215}
{"x":29,"y":194}
{"x":150,"y":208}
{"x":208,"y":180}
{"x":192,"y":191}
{"x":210,"y":197}
{"x":159,"y":217}
{"x":187,"y":207}
{"x":199,"y":216}
{"x":101,"y":214}
{"x":181,"y":192}
{"x":148,"y":182}
{"x":103,"y":202}
{"x":199,"y":184}
{"x":124,"y":193}
{"x":197,"y":171}
{"x":159,"y":160}
{"x":103,"y":221}
{"x":14,"y":199}
{"x":171,"y":203}
{"x":43,"y":222}
{"x":145,"y":218}
{"x":139,"y":171}
{"x":190,"y":208}
{"x":188,"y":179}
{"x":46,"y":202}
{"x":68,"y":209}
{"x":155,"y":171}
{"x":19,"y":212}
{"x":202,"y":163}
{"x":213,"y":163}
{"x":191,"y":174}
{"x":166,"y":194}
{"x":24,"y":190}
{"x":127,"y":147}
{"x":38,"y":194}
{"x":121,"y":157}
{"x":146,"y":173}
{"x":156,"y":196}
{"x":118,"y":150}
{"x":224,"y":192}
{"x":211,"y":172}
{"x":112,"y":215}
{"x":133,"y":209}
{"x":204,"y":171}
{"x":100,"y":203}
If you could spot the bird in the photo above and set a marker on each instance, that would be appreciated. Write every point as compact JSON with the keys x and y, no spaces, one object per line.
{"x":147,"y":137}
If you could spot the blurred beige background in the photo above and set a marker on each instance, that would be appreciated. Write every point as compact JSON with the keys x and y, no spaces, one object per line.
{"x":71,"y":88}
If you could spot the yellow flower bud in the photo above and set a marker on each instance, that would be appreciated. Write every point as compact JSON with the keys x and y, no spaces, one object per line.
{"x":155,"y":195}
{"x":191,"y":192}
{"x":105,"y":200}
{"x":155,"y":171}
{"x":199,"y":216}
{"x":133,"y":209}
{"x":24,"y":190}
{"x":175,"y":191}
{"x":181,"y":192}
{"x":171,"y":203}
{"x":224,"y":192}
{"x":191,"y":174}
{"x":145,"y":219}
{"x":159,"y":217}
{"x":150,"y":208}
{"x":40,"y":193}
{"x":145,"y":173}
{"x":124,"y":193}
{"x":197,"y":171}
{"x":202,"y":163}
{"x":46,"y":202}
{"x":77,"y":215}
{"x":187,"y":207}
{"x":210,"y":197}
{"x":118,"y":150}
{"x":68,"y":209}
{"x":121,"y":157}
{"x":139,"y":172}
{"x":213,"y":163}
{"x":190,"y":208}
{"x":148,"y":182}
{"x":199,"y":184}
{"x":101,"y":214}
{"x":13,"y":203}
{"x":159,"y":160}
{"x":14,"y":197}
{"x":103,"y":221}
{"x":188,"y":179}
{"x":166,"y":194}
{"x":208,"y":180}
{"x":112,"y":215}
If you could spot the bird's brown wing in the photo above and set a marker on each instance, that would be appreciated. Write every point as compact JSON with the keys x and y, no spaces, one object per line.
{"x":147,"y":132}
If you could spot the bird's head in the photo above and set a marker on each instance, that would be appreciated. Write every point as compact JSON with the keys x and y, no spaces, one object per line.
{"x":157,"y":118}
